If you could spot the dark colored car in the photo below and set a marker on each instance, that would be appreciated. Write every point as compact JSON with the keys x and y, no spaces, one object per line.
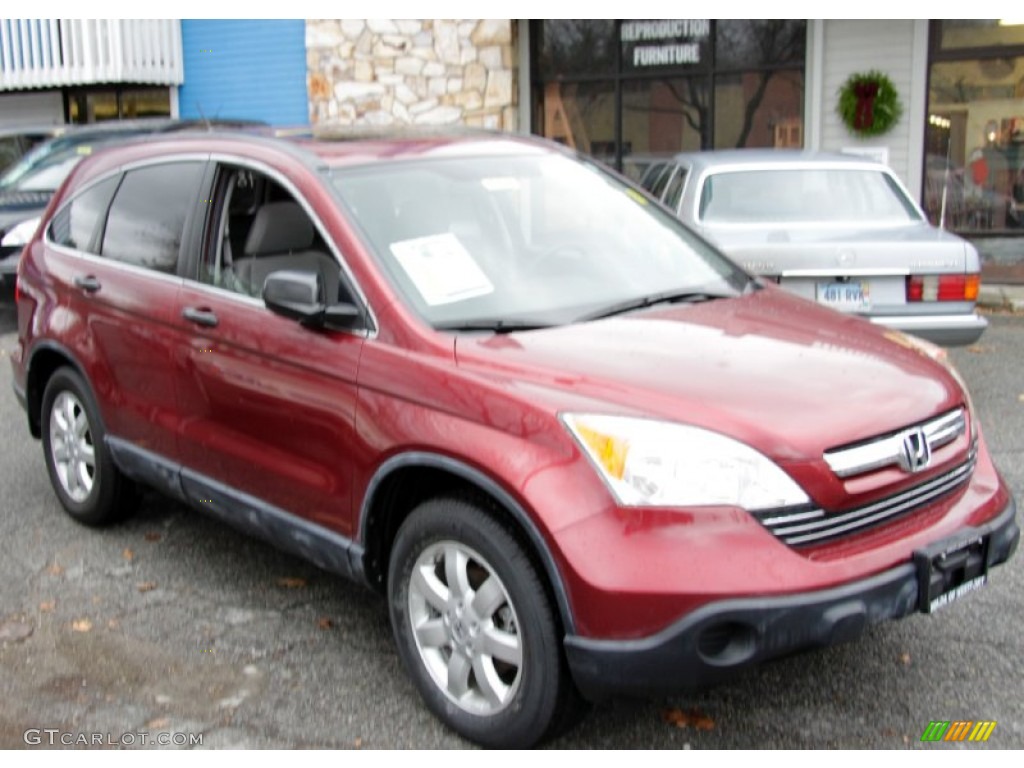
{"x":27,"y":186}
{"x":15,"y":141}
{"x":580,"y":451}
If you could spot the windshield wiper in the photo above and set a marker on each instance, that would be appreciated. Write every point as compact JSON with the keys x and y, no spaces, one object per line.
{"x":497,"y":325}
{"x":665,"y":297}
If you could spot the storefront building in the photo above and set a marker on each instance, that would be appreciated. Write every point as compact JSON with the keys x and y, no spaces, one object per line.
{"x":619,"y":90}
{"x":625,"y":90}
{"x":974,"y":138}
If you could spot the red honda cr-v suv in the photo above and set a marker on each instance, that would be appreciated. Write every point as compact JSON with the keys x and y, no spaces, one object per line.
{"x":579,"y":450}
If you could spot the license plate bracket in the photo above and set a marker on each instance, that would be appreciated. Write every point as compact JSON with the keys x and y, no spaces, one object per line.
{"x":845,"y":296}
{"x":946,"y":571}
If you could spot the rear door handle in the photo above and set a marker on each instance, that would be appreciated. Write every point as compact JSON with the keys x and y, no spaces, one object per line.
{"x":204,"y":317}
{"x":87,"y":283}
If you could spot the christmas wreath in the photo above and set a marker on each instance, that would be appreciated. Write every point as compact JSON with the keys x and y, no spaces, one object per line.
{"x":868,"y":104}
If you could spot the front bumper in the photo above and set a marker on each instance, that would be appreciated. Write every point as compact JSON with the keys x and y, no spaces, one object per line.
{"x":722,"y":637}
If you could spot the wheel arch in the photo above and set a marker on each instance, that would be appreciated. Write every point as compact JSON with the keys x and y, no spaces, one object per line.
{"x":405,"y":480}
{"x":46,"y":358}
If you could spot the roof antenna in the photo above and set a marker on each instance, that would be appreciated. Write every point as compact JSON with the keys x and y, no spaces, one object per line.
{"x":199,"y":109}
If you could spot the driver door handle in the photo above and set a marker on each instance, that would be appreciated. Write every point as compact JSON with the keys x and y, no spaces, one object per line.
{"x":203,"y":317}
{"x":87,"y":283}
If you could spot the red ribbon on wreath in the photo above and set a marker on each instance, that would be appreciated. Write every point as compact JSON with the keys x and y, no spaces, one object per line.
{"x":864,"y":117}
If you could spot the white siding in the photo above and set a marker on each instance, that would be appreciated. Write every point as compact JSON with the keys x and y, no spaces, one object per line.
{"x":41,"y":53}
{"x":895,"y":47}
{"x":35,"y":108}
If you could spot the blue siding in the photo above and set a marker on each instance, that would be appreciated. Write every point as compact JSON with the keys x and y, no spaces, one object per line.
{"x":246,"y":69}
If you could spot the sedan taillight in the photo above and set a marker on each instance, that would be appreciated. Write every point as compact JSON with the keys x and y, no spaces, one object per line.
{"x":943,"y":287}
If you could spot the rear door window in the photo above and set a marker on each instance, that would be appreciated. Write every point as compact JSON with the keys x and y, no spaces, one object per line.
{"x":147,"y":219}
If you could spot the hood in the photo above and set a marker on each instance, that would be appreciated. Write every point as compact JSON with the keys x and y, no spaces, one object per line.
{"x":774,"y":249}
{"x":777,"y":372}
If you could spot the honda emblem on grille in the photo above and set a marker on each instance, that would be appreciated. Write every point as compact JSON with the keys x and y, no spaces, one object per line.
{"x":916,"y":451}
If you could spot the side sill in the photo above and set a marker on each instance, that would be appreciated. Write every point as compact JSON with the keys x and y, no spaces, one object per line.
{"x":322,"y":547}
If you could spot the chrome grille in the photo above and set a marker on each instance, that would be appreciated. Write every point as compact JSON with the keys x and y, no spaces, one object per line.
{"x":886,"y":451}
{"x":814,"y":526}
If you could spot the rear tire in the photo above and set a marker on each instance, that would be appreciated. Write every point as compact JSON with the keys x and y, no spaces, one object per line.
{"x":474,"y":626}
{"x":89,"y":486}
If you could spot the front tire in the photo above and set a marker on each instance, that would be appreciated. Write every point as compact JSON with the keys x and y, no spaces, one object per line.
{"x":474,"y":626}
{"x":88,"y":484}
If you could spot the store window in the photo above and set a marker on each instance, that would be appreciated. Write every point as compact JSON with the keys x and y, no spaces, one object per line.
{"x":974,"y":146}
{"x":94,"y":105}
{"x":628,"y":92}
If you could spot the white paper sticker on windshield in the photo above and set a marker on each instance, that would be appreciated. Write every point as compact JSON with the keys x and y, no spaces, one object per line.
{"x":441,"y":269}
{"x":500,"y":183}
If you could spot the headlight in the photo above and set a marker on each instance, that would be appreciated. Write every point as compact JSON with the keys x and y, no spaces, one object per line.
{"x":657,"y":463}
{"x":21,"y":234}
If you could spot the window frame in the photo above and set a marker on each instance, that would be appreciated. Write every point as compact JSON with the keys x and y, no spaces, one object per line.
{"x":208,"y":227}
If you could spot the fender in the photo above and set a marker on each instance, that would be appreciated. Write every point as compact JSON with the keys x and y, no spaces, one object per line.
{"x":32,"y":406}
{"x":488,"y":486}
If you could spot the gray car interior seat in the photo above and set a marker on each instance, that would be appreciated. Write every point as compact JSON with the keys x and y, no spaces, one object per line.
{"x":281,"y":237}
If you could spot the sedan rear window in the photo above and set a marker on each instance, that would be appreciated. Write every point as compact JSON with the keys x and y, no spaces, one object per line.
{"x":804,"y":195}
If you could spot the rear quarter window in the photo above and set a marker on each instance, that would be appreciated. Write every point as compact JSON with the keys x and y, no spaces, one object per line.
{"x":77,"y":224}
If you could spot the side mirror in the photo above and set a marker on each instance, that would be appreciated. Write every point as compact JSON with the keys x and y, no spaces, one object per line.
{"x":298,"y":295}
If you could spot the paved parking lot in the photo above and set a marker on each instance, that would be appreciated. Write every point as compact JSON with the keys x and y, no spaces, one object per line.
{"x":174,"y":623}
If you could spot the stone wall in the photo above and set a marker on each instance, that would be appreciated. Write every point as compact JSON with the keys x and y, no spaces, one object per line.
{"x":417,"y":71}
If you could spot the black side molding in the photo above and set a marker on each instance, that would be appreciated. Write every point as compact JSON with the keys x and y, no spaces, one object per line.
{"x":322,"y":547}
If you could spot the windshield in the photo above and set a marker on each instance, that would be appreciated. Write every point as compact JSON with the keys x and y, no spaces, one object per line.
{"x":535,"y":238}
{"x":812,"y":195}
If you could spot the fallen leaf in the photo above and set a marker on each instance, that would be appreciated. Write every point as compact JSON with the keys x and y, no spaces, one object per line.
{"x":904,"y":658}
{"x":160,"y":723}
{"x":112,"y":624}
{"x":146,"y":586}
{"x":81,"y":625}
{"x":674,"y":717}
{"x":128,"y":555}
{"x":48,"y":606}
{"x":358,"y":743}
{"x":704,"y":723}
{"x":1021,"y":397}
{"x":291,"y":582}
{"x":977,"y":349}
{"x":55,"y":570}
{"x":153,"y":536}
{"x":325,"y":623}
{"x":683,"y":719}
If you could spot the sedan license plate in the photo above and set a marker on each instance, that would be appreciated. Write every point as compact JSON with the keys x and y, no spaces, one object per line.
{"x":946,"y":573}
{"x":845,"y":297}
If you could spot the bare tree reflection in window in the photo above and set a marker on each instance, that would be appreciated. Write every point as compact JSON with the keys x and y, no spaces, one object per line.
{"x":758,"y":44}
